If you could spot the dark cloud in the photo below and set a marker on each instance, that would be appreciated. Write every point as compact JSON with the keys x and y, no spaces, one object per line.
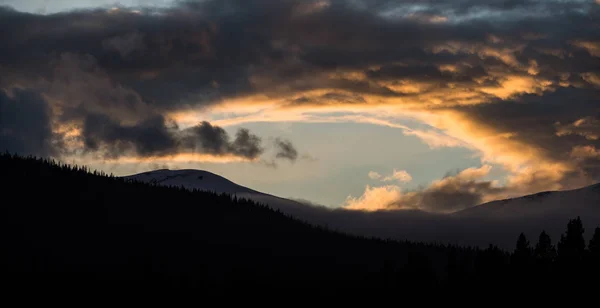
{"x":175,"y":56}
{"x":215,"y":140}
{"x":285,"y":150}
{"x":115,"y":71}
{"x":211,"y":139}
{"x":246,"y":144}
{"x":588,"y":127}
{"x":453,"y":195}
{"x":25,"y":124}
{"x":158,"y":137}
{"x":126,"y":44}
{"x":152,"y":137}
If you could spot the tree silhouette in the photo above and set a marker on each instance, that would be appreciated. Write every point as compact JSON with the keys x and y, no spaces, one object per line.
{"x":593,"y":256}
{"x":594,"y":245}
{"x":77,"y":230}
{"x":522,"y":252}
{"x":520,"y":261}
{"x":544,"y":252}
{"x":571,"y":247}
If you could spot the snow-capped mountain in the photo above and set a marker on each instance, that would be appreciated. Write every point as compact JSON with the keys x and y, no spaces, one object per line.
{"x":207,"y":181}
{"x":192,"y":179}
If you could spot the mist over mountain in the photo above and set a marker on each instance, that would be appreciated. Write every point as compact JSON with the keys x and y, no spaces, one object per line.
{"x":490,"y":223}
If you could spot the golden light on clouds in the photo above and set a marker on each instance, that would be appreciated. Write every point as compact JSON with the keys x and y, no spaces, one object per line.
{"x":470,"y":79}
{"x":426,"y":103}
{"x":591,"y":46}
{"x":375,"y":198}
{"x":177,"y":158}
{"x":530,"y":169}
{"x":392,"y":197}
{"x":584,"y":152}
{"x":517,"y":85}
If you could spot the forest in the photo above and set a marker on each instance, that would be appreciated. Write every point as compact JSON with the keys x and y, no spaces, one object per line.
{"x":68,"y":230}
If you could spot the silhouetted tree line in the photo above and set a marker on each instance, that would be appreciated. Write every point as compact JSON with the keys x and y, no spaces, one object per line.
{"x":66,"y":229}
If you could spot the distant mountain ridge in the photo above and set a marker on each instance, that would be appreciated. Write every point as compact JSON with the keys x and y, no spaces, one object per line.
{"x":492,"y":222}
{"x":568,"y":202}
{"x":576,"y":202}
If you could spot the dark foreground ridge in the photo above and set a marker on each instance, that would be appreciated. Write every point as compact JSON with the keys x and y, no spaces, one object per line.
{"x":65,"y":230}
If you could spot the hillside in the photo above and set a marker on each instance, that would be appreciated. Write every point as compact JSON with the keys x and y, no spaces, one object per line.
{"x":66,"y":231}
{"x":584,"y":202}
{"x":79,"y":230}
{"x":191,"y":179}
{"x":494,"y":222}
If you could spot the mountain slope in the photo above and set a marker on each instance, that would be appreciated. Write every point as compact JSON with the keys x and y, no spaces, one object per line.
{"x":570,"y":203}
{"x":66,"y":230}
{"x":207,"y":181}
{"x":192,"y":179}
{"x":493,"y":222}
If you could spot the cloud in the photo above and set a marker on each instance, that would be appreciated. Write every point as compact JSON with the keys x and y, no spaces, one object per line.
{"x":126,"y":44}
{"x":398,"y":175}
{"x":25,"y":124}
{"x":414,"y":225}
{"x":453,"y":193}
{"x":585,"y":152}
{"x":490,"y":76}
{"x":374,"y":175}
{"x":375,"y":198}
{"x":591,"y":46}
{"x":157,"y":137}
{"x":588,"y":127}
{"x":285,"y":150}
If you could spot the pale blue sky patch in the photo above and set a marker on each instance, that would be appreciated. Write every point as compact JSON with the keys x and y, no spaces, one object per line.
{"x":56,"y":6}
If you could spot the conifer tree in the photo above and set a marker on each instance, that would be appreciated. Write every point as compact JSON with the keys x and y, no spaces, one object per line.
{"x":544,"y":252}
{"x":571,"y":248}
{"x":594,"y":245}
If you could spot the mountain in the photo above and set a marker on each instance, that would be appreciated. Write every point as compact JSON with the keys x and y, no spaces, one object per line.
{"x":192,"y":179}
{"x":493,"y":222}
{"x":67,"y":232}
{"x":207,"y":181}
{"x":569,"y":203}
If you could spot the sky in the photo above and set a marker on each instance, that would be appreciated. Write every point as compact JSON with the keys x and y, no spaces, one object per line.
{"x":434,"y":105}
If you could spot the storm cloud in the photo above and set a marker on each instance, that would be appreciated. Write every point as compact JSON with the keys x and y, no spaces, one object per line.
{"x":516,"y":82}
{"x":158,"y":137}
{"x":30,"y":134}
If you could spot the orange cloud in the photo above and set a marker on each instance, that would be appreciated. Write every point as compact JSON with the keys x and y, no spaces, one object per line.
{"x":584,"y":152}
{"x":398,"y":175}
{"x":178,"y":158}
{"x":592,"y":47}
{"x":375,"y":198}
{"x":530,"y":168}
{"x":587,"y":127}
{"x":447,"y":195}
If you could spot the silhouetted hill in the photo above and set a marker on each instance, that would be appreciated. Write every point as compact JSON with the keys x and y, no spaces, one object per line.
{"x":69,"y":232}
{"x":65,"y":228}
{"x":584,"y":202}
{"x":495,"y":222}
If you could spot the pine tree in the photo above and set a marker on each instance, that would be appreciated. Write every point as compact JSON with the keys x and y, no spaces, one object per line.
{"x":594,"y":245}
{"x":522,"y":253}
{"x":544,"y":252}
{"x":571,"y":247}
